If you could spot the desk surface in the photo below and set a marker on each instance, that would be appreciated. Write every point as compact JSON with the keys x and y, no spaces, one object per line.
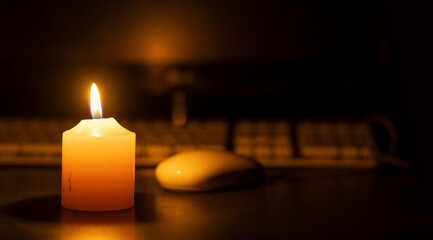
{"x":296,"y":204}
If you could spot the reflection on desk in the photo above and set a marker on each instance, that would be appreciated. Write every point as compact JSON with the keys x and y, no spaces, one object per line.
{"x":298,"y":204}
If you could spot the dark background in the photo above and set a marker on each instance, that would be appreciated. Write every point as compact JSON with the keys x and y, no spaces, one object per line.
{"x":293,"y":59}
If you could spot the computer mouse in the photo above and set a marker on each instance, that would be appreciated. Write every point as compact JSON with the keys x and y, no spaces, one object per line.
{"x":205,"y":170}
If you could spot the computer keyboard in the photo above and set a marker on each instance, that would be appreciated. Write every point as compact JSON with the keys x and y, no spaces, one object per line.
{"x":266,"y":140}
{"x":273,"y":142}
{"x":309,"y":144}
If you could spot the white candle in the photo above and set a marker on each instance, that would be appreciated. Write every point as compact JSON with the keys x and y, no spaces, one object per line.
{"x":98,"y":163}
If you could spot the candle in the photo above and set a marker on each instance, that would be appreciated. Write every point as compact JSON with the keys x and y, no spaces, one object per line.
{"x":98,"y":163}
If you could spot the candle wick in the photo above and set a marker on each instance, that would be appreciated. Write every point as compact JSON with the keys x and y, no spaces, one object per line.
{"x":97,"y":114}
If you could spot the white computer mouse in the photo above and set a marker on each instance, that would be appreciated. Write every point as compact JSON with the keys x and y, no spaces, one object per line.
{"x":205,"y":170}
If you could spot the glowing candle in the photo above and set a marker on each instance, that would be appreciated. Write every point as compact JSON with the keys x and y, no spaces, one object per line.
{"x":98,"y":163}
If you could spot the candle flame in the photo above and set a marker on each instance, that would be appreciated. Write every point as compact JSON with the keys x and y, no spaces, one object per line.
{"x":95,"y":102}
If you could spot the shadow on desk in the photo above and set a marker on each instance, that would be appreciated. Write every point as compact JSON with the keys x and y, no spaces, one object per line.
{"x":48,"y":209}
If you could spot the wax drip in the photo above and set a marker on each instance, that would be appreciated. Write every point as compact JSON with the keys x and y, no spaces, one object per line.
{"x":70,"y":181}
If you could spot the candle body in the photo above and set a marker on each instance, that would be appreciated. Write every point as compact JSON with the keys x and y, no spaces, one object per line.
{"x":98,"y":166}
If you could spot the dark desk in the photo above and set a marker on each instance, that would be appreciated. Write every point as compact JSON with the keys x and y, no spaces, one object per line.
{"x":291,"y":204}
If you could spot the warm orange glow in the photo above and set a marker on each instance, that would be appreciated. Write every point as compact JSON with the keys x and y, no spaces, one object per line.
{"x":98,"y":166}
{"x":95,"y":102}
{"x":97,"y":232}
